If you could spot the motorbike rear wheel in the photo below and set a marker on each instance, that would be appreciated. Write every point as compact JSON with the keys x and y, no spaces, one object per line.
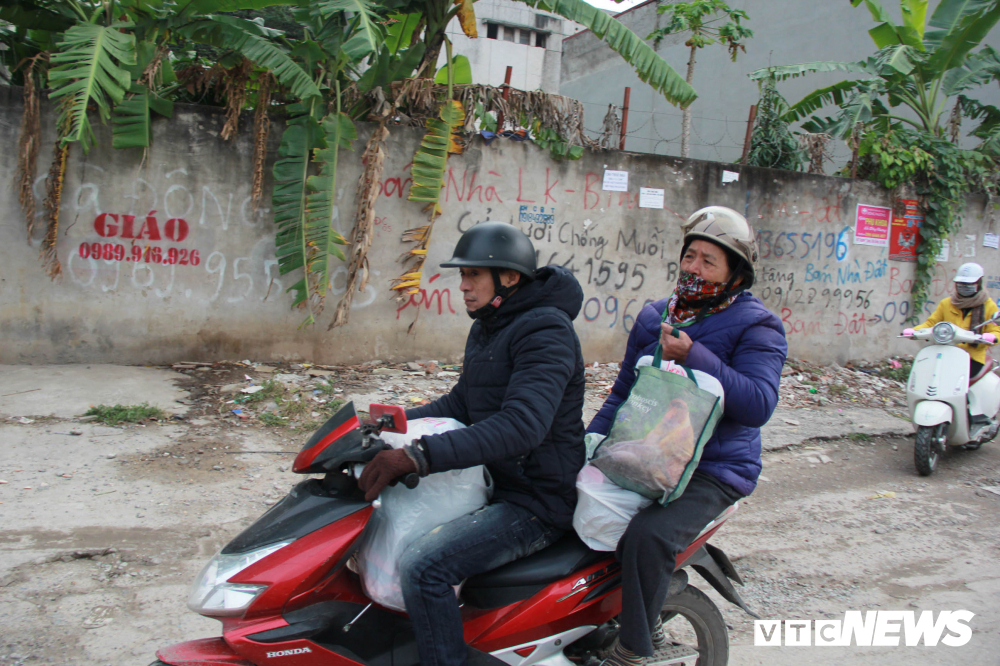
{"x":925,"y":449}
{"x":704,"y":619}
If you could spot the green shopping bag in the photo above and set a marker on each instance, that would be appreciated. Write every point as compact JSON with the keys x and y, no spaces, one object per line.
{"x":658,"y":433}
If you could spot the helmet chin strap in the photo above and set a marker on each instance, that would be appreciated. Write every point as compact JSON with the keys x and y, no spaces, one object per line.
{"x":501,"y":292}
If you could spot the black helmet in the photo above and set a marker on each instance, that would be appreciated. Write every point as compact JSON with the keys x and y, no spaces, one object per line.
{"x":494,"y":245}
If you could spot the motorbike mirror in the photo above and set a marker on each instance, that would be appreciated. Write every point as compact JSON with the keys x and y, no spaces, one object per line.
{"x":392,"y":418}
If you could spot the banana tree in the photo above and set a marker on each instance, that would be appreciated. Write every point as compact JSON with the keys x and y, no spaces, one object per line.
{"x":922,"y":65}
{"x":895,"y":111}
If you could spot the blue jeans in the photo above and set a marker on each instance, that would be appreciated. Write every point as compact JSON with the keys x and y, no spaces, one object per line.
{"x":481,"y":541}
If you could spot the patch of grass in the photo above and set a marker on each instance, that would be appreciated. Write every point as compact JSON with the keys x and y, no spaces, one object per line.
{"x":116,"y":414}
{"x":272,"y":391}
{"x":294,"y":408}
{"x":859,"y":437}
{"x":331,"y":407}
{"x":838,"y":389}
{"x":324,"y":386}
{"x":900,"y":374}
{"x":271,"y":420}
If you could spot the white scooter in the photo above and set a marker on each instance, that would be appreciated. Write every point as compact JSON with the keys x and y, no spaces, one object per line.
{"x":946,"y":406}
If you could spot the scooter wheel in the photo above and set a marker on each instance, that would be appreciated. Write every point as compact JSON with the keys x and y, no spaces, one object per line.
{"x":703,"y":619}
{"x":925,"y":453}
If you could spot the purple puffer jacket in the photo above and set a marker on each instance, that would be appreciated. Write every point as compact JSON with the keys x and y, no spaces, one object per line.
{"x":744,"y":348}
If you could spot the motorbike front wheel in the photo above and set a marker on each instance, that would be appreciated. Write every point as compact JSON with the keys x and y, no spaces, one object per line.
{"x":925,"y":449}
{"x":703,"y":619}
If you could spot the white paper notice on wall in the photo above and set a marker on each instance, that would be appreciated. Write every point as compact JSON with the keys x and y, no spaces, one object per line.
{"x":991,"y":240}
{"x":970,"y":250}
{"x":615,"y":181}
{"x":943,"y":254}
{"x":729,"y":176}
{"x":650,"y":197}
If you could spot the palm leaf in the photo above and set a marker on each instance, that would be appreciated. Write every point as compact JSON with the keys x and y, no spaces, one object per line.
{"x":650,"y":67}
{"x":88,"y":71}
{"x":431,"y":158}
{"x":368,"y":35}
{"x":132,"y":125}
{"x":250,"y":40}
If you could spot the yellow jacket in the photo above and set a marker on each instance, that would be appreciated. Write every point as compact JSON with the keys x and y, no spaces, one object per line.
{"x":947,"y":312}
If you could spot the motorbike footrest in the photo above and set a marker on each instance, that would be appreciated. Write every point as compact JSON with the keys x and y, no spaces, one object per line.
{"x":673,"y":654}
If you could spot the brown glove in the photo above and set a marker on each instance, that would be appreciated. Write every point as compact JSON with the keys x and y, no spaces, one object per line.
{"x":386,"y":467}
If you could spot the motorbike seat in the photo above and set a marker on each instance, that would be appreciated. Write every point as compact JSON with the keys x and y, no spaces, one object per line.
{"x":988,"y":367}
{"x":520,"y":579}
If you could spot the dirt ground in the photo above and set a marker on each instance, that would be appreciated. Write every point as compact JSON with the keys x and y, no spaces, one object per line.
{"x":102,"y":532}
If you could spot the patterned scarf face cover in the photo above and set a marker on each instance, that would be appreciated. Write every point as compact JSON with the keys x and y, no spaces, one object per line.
{"x":691,"y":294}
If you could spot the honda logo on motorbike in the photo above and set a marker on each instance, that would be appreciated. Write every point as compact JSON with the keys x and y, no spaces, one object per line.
{"x":287,"y":653}
{"x":875,"y":629}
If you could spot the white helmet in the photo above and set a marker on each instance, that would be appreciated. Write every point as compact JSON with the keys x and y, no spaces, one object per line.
{"x":968,"y":273}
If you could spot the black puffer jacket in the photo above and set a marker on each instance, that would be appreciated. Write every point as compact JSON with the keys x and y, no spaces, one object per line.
{"x":521,"y":393}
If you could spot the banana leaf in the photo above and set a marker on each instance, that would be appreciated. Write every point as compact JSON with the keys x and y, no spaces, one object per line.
{"x":965,"y":34}
{"x":650,"y":67}
{"x":431,"y":159}
{"x":29,"y":16}
{"x":463,"y":72}
{"x":399,"y":33}
{"x":368,"y":34}
{"x":817,"y":99}
{"x":288,"y":199}
{"x":132,"y":123}
{"x":977,"y":70}
{"x":794,"y":71}
{"x":222,"y":6}
{"x":467,"y":18}
{"x":88,"y":70}
{"x":320,"y":239}
{"x":251,"y":40}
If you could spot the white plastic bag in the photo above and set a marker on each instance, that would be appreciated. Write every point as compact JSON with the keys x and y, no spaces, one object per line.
{"x":406,"y":515}
{"x":603,"y":509}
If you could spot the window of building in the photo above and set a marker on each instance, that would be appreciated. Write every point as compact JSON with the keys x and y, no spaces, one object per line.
{"x":491,"y":30}
{"x":508,"y":34}
{"x":526,"y":37}
{"x":540,"y":39}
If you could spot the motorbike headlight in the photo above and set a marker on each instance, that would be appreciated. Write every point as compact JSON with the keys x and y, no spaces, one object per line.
{"x":213,"y":595}
{"x":943,"y":333}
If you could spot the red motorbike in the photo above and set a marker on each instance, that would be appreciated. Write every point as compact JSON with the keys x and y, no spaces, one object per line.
{"x":287,"y":591}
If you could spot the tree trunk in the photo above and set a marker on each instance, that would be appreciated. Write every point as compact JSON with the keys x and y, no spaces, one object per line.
{"x":686,"y":118}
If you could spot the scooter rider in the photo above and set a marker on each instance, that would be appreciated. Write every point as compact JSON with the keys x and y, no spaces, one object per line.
{"x":521,"y":394}
{"x":969,"y":307}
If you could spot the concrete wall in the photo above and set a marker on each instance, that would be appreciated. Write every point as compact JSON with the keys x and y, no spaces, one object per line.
{"x":786,"y":32}
{"x":230,"y":301}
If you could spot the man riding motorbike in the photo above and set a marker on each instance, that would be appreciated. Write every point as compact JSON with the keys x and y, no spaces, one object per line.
{"x":969,"y":307}
{"x":521,"y":394}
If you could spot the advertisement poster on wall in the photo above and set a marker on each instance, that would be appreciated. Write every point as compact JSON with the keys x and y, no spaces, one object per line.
{"x":904,"y":237}
{"x":871,"y":225}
